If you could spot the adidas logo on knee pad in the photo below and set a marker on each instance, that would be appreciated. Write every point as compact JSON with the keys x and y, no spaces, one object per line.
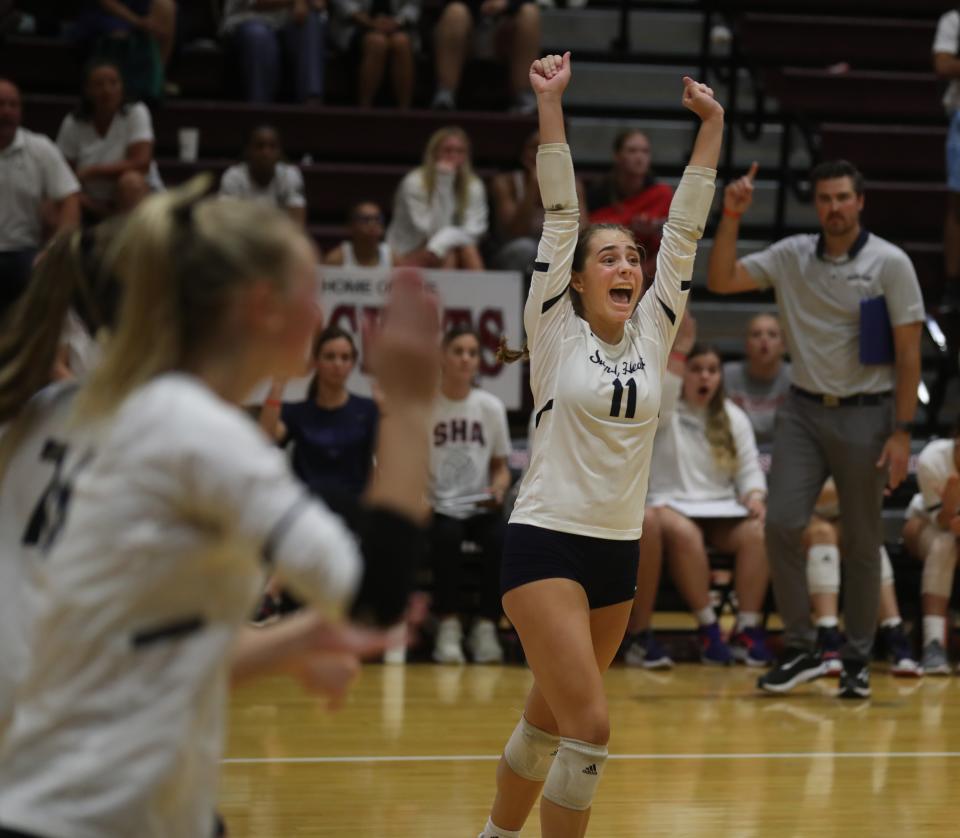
{"x":591,"y":769}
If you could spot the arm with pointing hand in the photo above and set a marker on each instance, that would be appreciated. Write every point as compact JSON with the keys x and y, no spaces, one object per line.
{"x":725,"y":274}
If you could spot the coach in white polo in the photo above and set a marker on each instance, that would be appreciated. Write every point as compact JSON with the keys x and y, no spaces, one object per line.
{"x":32,"y":171}
{"x":851,"y":310}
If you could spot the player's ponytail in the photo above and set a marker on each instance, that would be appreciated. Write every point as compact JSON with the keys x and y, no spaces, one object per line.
{"x":179,"y":259}
{"x":31,"y":333}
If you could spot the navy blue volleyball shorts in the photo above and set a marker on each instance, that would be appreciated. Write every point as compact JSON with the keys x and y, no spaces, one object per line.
{"x":605,"y":569}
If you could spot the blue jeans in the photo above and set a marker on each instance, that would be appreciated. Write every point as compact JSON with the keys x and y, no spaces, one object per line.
{"x":261,"y":49}
{"x":953,"y":153}
{"x":15,"y":269}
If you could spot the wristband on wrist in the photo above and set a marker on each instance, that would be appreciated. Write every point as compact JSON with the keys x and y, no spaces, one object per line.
{"x":731,"y":214}
{"x":677,"y":355}
{"x":273,"y":403}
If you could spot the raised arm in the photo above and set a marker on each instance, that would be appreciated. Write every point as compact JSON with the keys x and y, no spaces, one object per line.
{"x":725,"y":273}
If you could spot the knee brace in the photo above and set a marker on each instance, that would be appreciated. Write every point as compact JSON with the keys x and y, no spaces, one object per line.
{"x":573,"y":778}
{"x":939,"y":564}
{"x":530,"y":751}
{"x":823,"y":569}
{"x":886,"y":569}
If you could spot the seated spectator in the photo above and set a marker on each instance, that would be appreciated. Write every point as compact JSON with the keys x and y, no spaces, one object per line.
{"x":109,"y":144}
{"x":514,"y":27}
{"x":705,"y":452}
{"x":365,"y":248}
{"x":379,"y":32}
{"x":518,"y":211}
{"x":440,"y":208}
{"x":34,"y":174}
{"x":263,"y":176}
{"x":468,"y":479}
{"x":760,"y":383}
{"x":930,"y":535}
{"x":630,"y":195}
{"x":139,"y":35}
{"x":821,"y":540}
{"x":333,"y":431}
{"x":264,"y":33}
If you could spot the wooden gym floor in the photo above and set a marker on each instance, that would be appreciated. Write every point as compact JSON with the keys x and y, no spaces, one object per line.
{"x":694,"y":751}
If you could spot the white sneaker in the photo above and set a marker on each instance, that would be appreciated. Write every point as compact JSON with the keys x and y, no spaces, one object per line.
{"x":483,"y":643}
{"x":448,"y":647}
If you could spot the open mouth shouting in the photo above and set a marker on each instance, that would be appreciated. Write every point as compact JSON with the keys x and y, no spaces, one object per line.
{"x":621,"y":296}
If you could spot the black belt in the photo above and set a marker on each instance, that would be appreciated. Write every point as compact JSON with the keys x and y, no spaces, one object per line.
{"x":858,"y":400}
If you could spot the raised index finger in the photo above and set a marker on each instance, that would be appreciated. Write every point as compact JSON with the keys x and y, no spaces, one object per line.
{"x":752,"y":172}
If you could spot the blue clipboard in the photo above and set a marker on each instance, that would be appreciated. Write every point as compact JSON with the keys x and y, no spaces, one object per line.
{"x":876,"y":333}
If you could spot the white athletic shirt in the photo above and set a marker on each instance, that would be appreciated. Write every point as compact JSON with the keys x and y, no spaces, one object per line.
{"x":385,"y":257}
{"x":935,"y":466}
{"x":597,"y":404}
{"x":26,"y":473}
{"x":117,"y":729}
{"x":683,"y":466}
{"x":466,"y":435}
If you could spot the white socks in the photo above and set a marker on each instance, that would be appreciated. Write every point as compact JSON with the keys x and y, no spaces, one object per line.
{"x":747,"y":620}
{"x":934,"y":628}
{"x":491,"y":831}
{"x":705,"y":616}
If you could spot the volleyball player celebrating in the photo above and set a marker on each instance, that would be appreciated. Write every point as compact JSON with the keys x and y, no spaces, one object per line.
{"x":597,"y":363}
{"x":174,"y":499}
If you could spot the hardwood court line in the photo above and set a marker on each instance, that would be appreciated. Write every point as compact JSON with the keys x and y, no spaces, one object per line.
{"x":632,"y":757}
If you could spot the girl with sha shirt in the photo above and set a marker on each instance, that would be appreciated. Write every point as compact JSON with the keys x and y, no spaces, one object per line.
{"x":705,"y":450}
{"x":167,"y":505}
{"x":468,"y":479}
{"x":597,"y":360}
{"x":333,"y":431}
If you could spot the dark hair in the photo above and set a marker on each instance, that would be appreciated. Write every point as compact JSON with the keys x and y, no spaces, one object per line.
{"x":829,"y":169}
{"x":264,"y":126}
{"x":84,"y":110}
{"x":718,"y":431}
{"x":620,"y":140}
{"x":459,"y":331}
{"x":507,"y":355}
{"x":355,"y":206}
{"x":324,"y":337}
{"x":12,"y":83}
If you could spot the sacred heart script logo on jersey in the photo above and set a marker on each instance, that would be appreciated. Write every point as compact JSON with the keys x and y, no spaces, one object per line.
{"x":619,"y":367}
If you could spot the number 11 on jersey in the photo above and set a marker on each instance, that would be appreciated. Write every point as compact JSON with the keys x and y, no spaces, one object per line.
{"x":618,"y":389}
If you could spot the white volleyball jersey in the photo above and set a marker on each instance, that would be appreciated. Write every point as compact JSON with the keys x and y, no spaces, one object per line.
{"x":935,"y":466}
{"x":597,"y":405}
{"x":466,"y":434}
{"x":117,"y":728}
{"x":30,"y":471}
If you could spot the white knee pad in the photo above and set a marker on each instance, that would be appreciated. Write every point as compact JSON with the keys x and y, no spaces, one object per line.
{"x":573,"y":778}
{"x":939,"y":564}
{"x":886,"y":569}
{"x":823,"y":569}
{"x":530,"y":751}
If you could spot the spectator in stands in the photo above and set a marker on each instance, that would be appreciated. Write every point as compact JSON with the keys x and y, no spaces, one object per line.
{"x":930,"y":535}
{"x":468,"y":478}
{"x":839,"y":414}
{"x":365,"y":248}
{"x":822,"y":542}
{"x":518,"y":211}
{"x":514,"y":28}
{"x":380,"y":32}
{"x":264,"y":33}
{"x":34,"y":174}
{"x":440,"y":208}
{"x":139,"y":35}
{"x":109,"y":144}
{"x":760,"y":383}
{"x":946,"y":63}
{"x":705,"y":457}
{"x":263,"y":175}
{"x":632,"y":196}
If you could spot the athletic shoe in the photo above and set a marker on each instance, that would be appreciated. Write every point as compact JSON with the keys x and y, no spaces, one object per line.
{"x":749,"y":646}
{"x":829,"y":641}
{"x":934,"y":659}
{"x":448,"y":647}
{"x":713,"y":651}
{"x":483,"y":643}
{"x":896,"y":646}
{"x":644,"y":650}
{"x":796,"y":666}
{"x":854,"y":680}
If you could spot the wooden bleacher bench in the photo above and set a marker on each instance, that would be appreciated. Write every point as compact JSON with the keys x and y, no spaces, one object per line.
{"x":879,"y":151}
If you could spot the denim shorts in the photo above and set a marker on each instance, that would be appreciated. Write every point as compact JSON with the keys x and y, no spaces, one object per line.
{"x":605,"y":569}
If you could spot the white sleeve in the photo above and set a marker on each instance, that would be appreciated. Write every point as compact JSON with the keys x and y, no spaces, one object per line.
{"x":475,"y":221}
{"x":663,"y":305}
{"x":669,"y":395}
{"x":500,"y":441}
{"x":59,"y":179}
{"x":945,"y":39}
{"x":231,"y":183}
{"x":930,"y":481}
{"x":424,"y":216}
{"x":139,"y":124}
{"x":558,"y":241}
{"x":749,"y":477}
{"x":294,"y":192}
{"x":255,"y":495}
{"x":67,"y":139}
